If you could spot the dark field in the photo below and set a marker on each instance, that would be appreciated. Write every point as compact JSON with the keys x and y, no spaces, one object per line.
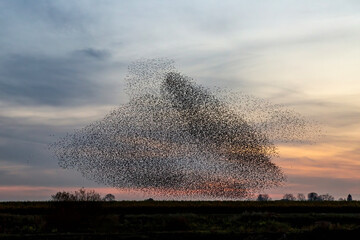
{"x":179,"y":220}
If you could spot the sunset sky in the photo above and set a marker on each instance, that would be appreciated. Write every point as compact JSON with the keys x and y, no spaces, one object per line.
{"x":63,"y":64}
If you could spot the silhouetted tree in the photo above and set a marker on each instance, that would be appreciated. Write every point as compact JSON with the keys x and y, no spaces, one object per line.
{"x":63,"y":197}
{"x":301,"y":197}
{"x":263,"y":197}
{"x":289,"y":197}
{"x":325,"y":197}
{"x":90,"y":196}
{"x":313,"y":196}
{"x":109,"y":198}
{"x":349,"y":198}
{"x":81,"y":195}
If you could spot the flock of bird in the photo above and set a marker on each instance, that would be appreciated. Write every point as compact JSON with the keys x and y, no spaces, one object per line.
{"x":177,"y":139}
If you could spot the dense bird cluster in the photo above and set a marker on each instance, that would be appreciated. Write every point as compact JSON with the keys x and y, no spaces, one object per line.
{"x":178,"y":139}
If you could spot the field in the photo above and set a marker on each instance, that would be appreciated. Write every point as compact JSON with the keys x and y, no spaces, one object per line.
{"x":179,"y":220}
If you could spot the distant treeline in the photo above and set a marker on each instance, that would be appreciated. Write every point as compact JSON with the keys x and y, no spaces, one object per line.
{"x":92,"y":196}
{"x":312,"y":196}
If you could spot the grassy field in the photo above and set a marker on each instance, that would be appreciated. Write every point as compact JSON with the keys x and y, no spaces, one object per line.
{"x":179,"y":220}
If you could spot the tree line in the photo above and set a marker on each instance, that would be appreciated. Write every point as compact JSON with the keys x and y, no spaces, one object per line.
{"x":313,"y":196}
{"x":91,"y":195}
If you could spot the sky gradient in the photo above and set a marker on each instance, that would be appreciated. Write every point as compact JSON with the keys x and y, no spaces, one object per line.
{"x":63,"y":64}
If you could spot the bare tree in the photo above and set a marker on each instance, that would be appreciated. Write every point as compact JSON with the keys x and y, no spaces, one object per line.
{"x":109,"y":198}
{"x":301,"y":197}
{"x":313,"y":196}
{"x":63,"y":197}
{"x":263,"y":197}
{"x":289,"y":197}
{"x":90,"y":195}
{"x":81,"y":195}
{"x":325,"y":197}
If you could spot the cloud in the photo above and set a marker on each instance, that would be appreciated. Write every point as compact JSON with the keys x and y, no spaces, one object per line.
{"x":93,"y":53}
{"x":26,"y":174}
{"x":26,"y":160}
{"x":55,"y":13}
{"x":44,"y":80}
{"x":25,"y":143}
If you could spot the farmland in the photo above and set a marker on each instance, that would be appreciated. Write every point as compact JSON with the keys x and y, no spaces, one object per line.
{"x":179,"y":219}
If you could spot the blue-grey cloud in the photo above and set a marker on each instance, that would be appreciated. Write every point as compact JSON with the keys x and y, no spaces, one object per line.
{"x":59,"y":14}
{"x":42,"y":80}
{"x":93,"y":53}
{"x":24,"y":142}
{"x":24,"y":156}
{"x":28,"y":175}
